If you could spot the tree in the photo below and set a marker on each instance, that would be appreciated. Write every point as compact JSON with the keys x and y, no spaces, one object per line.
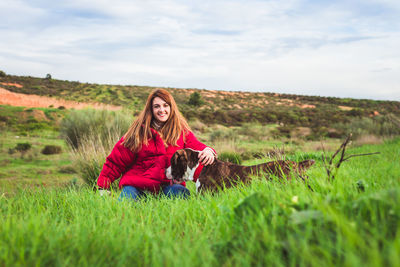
{"x":23,"y":148}
{"x":48,"y":76}
{"x":195,"y":99}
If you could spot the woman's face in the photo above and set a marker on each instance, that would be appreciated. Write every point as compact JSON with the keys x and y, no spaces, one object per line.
{"x":161,"y":109}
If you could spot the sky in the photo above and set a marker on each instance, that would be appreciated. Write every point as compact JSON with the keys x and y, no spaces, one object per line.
{"x":320,"y":48}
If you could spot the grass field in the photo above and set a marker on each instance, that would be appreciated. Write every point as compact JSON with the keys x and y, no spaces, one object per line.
{"x":32,"y":168}
{"x":351,"y":221}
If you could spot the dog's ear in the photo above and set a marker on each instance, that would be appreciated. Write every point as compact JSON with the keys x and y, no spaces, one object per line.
{"x":194,"y":157}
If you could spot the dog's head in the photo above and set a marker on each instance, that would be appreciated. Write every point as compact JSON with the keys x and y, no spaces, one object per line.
{"x":183,"y":165}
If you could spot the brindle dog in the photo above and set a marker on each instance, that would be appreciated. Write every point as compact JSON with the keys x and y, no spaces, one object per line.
{"x":225,"y":174}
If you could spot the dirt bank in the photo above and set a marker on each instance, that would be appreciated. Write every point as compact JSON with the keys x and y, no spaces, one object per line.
{"x":35,"y":101}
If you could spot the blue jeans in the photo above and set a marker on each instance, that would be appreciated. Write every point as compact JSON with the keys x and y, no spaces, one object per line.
{"x":171,"y":191}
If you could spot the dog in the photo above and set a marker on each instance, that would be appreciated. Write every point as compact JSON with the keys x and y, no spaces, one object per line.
{"x":221,"y":174}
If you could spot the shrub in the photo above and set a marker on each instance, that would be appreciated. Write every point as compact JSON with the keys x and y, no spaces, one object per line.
{"x":92,"y":134}
{"x":254,"y":131}
{"x":195,"y":99}
{"x":23,"y":147}
{"x":82,"y":124}
{"x":388,"y":125}
{"x":67,"y":169}
{"x":2,"y":74}
{"x":89,"y":158}
{"x":282,"y":131}
{"x":198,"y":126}
{"x":230,"y":157}
{"x":33,"y":126}
{"x":252,"y":155}
{"x":51,"y":149}
{"x":222,"y":134}
{"x":4,"y":118}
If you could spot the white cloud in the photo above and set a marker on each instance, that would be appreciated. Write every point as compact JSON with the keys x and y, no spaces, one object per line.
{"x":303,"y":47}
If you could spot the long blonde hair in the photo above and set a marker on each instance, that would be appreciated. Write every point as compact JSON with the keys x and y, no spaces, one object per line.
{"x":139,"y":132}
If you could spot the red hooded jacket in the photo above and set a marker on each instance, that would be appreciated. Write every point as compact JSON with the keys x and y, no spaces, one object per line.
{"x":145,"y":169}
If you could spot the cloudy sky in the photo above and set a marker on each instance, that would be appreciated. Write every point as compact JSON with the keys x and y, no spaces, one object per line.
{"x":326,"y":48}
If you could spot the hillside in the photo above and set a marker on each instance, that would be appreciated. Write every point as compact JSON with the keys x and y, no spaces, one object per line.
{"x":325,"y":116}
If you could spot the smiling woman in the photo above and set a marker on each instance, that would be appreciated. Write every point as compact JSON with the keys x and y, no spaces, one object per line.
{"x":145,"y":151}
{"x":161,"y":110}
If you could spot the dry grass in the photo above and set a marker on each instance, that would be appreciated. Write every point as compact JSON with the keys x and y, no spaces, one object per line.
{"x":226,"y":146}
{"x":198,"y":126}
{"x":368,"y":140}
{"x":330,"y":145}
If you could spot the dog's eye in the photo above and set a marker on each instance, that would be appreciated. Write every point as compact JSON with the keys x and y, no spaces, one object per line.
{"x":183,"y":157}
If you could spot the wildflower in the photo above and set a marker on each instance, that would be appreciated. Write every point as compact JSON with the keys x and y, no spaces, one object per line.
{"x":295,"y":199}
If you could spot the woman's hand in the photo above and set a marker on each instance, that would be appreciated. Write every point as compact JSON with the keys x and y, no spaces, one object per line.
{"x":103,"y":192}
{"x":206,"y":156}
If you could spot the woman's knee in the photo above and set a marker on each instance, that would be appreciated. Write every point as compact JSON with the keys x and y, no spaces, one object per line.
{"x":176,"y":190}
{"x":130,"y":193}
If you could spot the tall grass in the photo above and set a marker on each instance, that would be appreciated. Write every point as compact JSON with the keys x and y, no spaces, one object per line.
{"x":89,"y":158}
{"x":91,"y":135}
{"x":351,"y":221}
{"x":80,"y":125}
{"x":383,"y":126}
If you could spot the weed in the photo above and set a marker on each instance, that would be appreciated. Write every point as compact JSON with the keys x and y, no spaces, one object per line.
{"x":51,"y":149}
{"x":230,"y":157}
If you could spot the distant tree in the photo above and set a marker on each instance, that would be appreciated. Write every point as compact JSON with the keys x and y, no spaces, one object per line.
{"x":195,"y":99}
{"x":23,"y":148}
{"x":2,"y":74}
{"x":48,"y":76}
{"x":51,"y":149}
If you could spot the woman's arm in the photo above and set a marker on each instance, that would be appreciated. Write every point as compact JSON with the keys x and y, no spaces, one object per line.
{"x":116,"y":163}
{"x":206,"y":155}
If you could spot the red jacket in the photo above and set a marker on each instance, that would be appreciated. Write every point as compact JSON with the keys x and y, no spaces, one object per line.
{"x":146,"y":168}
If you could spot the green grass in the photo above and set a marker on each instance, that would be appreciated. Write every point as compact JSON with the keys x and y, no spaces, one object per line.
{"x":33,"y":168}
{"x":30,"y":121}
{"x":230,"y":108}
{"x":351,"y":221}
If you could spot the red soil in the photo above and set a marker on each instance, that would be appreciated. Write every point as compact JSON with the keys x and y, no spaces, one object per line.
{"x":34,"y":101}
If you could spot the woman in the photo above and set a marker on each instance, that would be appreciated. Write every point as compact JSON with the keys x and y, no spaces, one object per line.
{"x":145,"y":151}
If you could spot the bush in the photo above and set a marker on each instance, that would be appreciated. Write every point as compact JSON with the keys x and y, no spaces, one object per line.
{"x":23,"y":147}
{"x":230,"y":157}
{"x":282,"y":131}
{"x":254,"y":131}
{"x":33,"y":126}
{"x":198,"y":126}
{"x":2,"y":74}
{"x":219,"y":135}
{"x":388,"y":125}
{"x":51,"y":149}
{"x":252,"y":155}
{"x":89,"y":158}
{"x":195,"y":99}
{"x":82,"y":124}
{"x":92,"y":134}
{"x":67,"y":169}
